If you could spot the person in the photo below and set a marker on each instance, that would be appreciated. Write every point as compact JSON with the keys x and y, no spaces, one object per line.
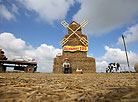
{"x":66,"y":66}
{"x":2,"y":56}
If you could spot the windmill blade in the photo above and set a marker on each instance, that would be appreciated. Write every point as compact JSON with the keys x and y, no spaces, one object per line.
{"x":84,"y":23}
{"x":65,"y":24}
{"x":84,"y":41}
{"x":63,"y":42}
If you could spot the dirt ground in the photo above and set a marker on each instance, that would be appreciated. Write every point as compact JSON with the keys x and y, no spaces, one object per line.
{"x":44,"y":87}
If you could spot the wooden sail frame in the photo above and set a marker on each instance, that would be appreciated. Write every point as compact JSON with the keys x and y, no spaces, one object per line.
{"x":82,"y":39}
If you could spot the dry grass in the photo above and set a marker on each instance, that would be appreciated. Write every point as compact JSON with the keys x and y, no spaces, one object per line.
{"x":43,"y":87}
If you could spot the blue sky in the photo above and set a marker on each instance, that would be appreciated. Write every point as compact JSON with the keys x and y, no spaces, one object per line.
{"x":32,"y":28}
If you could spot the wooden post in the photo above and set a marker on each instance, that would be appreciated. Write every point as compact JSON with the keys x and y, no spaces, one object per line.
{"x":126,"y":53}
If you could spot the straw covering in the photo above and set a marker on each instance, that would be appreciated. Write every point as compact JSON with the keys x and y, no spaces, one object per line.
{"x":77,"y":58}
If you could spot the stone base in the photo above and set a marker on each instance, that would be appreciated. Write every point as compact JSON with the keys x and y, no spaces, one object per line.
{"x":87,"y":64}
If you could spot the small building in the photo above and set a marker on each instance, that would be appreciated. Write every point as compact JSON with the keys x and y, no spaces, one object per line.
{"x":76,"y":51}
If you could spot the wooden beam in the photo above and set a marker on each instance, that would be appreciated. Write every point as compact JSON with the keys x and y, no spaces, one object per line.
{"x":126,"y":53}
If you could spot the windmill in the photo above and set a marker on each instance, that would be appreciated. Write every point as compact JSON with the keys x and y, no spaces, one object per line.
{"x":82,"y":39}
{"x":75,"y":47}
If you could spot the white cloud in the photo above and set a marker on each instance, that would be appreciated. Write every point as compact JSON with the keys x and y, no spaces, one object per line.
{"x":90,"y":54}
{"x":131,"y":35}
{"x":101,"y":66}
{"x":117,"y":55}
{"x":43,"y":54}
{"x":15,"y":9}
{"x":5,"y":13}
{"x":49,"y":10}
{"x":10,"y":43}
{"x":107,"y":15}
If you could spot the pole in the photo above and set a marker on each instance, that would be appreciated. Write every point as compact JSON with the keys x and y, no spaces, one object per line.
{"x":126,"y":53}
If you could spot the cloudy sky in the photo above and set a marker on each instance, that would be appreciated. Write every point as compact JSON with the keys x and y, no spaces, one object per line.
{"x":32,"y":28}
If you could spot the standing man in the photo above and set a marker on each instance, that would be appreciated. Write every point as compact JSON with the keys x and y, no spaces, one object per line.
{"x":66,"y":66}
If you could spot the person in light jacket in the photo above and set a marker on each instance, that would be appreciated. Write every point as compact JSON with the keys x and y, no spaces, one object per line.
{"x":66,"y":66}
